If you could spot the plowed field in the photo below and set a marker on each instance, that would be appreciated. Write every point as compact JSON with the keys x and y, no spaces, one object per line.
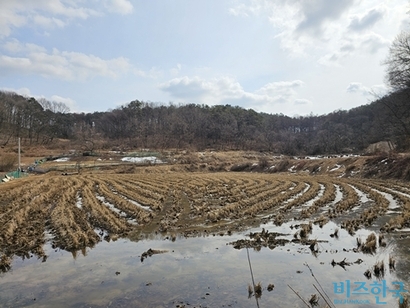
{"x":78,"y":211}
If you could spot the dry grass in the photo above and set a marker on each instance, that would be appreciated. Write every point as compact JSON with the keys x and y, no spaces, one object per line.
{"x":81,"y":210}
{"x":8,"y":162}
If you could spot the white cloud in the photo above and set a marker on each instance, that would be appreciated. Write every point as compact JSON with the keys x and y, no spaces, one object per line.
{"x":327,"y":30}
{"x":120,"y":6}
{"x":375,"y":90}
{"x":372,"y":42}
{"x":318,"y":13}
{"x":189,"y":88}
{"x":302,"y":101}
{"x":152,"y":73}
{"x":176,"y":70}
{"x":52,"y":13}
{"x":226,"y":90}
{"x":34,"y":59}
{"x":280,"y":87}
{"x":9,"y":19}
{"x":371,"y":17}
{"x":48,"y":22}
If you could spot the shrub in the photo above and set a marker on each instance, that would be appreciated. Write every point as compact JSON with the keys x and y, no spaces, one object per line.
{"x":282,"y":166}
{"x":241,"y":167}
{"x":7,"y":162}
{"x":263,"y":162}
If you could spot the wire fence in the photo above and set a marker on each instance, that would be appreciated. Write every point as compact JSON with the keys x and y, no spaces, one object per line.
{"x":17,"y":174}
{"x":13,"y":175}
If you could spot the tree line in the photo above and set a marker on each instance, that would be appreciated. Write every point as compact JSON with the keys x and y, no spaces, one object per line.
{"x":223,"y":127}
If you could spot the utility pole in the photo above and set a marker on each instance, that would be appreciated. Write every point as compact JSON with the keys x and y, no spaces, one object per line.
{"x":18,"y":170}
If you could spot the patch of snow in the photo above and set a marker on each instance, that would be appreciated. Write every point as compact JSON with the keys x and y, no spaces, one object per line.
{"x":399,"y":192}
{"x":362,"y":196}
{"x":147,"y":208}
{"x":336,"y":167}
{"x":392,"y":203}
{"x":79,"y":201}
{"x":142,"y":160}
{"x":318,"y":196}
{"x":339,"y":194}
{"x":116,"y":210}
{"x":297,"y":195}
{"x":404,"y":230}
{"x":313,"y":157}
{"x":110,"y":206}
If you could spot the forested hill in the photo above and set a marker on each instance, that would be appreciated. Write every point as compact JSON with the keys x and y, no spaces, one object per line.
{"x":156,"y":126}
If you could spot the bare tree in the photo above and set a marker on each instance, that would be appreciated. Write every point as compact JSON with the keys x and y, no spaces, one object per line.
{"x":55,"y":107}
{"x":398,"y":62}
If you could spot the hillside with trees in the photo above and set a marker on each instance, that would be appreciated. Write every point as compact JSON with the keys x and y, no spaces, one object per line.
{"x":148,"y":125}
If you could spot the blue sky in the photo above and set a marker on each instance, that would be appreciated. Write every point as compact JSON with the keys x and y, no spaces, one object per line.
{"x":294,"y":57}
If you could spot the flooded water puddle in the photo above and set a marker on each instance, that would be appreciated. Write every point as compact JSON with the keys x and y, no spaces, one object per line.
{"x":208,"y":272}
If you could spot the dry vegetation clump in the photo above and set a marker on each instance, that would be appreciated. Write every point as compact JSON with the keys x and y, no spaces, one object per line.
{"x":69,"y":224}
{"x":335,"y":233}
{"x":113,"y":196}
{"x":241,"y":167}
{"x":250,"y":290}
{"x":368,"y":274}
{"x":258,"y":197}
{"x":401,"y":195}
{"x":309,"y":194}
{"x":314,"y":300}
{"x":315,"y":168}
{"x":258,"y":289}
{"x":404,"y":303}
{"x":350,"y":199}
{"x":379,"y":270}
{"x":397,"y":222}
{"x":305,"y":230}
{"x":281,"y":166}
{"x":392,"y":263}
{"x":300,"y":166}
{"x":5,"y":263}
{"x":388,"y":167}
{"x":321,"y":221}
{"x":370,"y":245}
{"x":260,"y":239}
{"x":146,"y":194}
{"x":100,"y":215}
{"x":328,"y":196}
{"x":22,"y":223}
{"x":150,"y":252}
{"x":271,"y":199}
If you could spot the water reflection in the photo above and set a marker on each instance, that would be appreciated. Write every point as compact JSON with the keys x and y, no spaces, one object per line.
{"x":202,"y":271}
